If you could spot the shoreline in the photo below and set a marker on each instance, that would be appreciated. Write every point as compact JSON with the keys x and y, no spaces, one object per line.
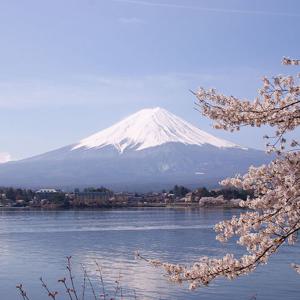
{"x":196,"y":206}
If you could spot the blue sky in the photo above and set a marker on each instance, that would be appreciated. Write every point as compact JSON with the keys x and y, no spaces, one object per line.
{"x":72,"y":67}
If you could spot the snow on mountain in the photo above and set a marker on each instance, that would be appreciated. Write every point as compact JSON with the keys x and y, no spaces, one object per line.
{"x":149,"y":128}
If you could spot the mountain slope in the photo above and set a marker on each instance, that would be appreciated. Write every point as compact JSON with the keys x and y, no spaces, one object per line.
{"x":151,"y":149}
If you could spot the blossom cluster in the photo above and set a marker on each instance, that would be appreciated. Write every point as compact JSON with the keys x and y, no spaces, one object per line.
{"x":288,"y":61}
{"x":277,"y":105}
{"x":296,"y":268}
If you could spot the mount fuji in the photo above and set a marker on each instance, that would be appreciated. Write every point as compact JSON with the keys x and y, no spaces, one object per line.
{"x":149,"y":150}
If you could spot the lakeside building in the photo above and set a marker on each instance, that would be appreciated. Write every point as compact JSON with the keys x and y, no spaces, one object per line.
{"x":50,"y":198}
{"x":46,"y":194}
{"x":91,"y":199}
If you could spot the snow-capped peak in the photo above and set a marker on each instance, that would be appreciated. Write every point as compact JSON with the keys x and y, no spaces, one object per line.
{"x":149,"y":128}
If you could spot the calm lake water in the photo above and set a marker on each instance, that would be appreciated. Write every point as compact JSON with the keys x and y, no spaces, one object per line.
{"x":35,"y":243}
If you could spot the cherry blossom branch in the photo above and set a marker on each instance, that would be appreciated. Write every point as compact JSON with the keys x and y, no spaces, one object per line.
{"x":273,"y":216}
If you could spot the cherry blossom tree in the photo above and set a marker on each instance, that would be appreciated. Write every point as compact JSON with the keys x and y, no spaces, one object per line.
{"x":272,"y":218}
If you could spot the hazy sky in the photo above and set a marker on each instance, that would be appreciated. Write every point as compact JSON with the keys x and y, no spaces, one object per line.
{"x":70,"y":68}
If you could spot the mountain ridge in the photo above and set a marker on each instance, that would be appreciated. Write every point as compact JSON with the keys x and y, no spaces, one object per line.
{"x":165,"y":150}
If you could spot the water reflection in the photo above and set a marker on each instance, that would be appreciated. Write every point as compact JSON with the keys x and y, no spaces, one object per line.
{"x":35,"y":243}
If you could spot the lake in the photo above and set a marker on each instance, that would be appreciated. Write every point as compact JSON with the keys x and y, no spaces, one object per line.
{"x":36,"y":243}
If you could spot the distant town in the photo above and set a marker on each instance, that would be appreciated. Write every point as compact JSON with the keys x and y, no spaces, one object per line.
{"x":50,"y":198}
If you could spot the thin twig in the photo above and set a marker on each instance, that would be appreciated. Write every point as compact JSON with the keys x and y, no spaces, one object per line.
{"x":22,"y":292}
{"x":69,"y":268}
{"x":50,"y":294}
{"x":101,"y":279}
{"x":83,"y":287}
{"x":68,"y":290}
{"x":89,"y":280}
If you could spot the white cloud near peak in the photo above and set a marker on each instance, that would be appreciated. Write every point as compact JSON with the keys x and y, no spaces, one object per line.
{"x":4,"y":157}
{"x":132,"y":20}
